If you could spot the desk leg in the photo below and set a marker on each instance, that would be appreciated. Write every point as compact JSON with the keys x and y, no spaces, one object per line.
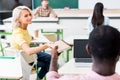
{"x":2,"y":49}
{"x":58,"y":36}
{"x":67,"y":55}
{"x":59,"y":33}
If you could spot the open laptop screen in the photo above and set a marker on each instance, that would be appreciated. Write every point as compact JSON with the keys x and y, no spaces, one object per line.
{"x":80,"y":53}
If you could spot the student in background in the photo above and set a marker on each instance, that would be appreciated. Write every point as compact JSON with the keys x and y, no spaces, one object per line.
{"x":97,"y":18}
{"x":20,"y":39}
{"x":43,"y":11}
{"x":104,"y":48}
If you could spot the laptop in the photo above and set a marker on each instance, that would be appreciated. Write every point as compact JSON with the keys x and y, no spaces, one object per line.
{"x":82,"y":58}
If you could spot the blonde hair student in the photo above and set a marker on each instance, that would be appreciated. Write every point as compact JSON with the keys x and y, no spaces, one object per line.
{"x":16,"y":14}
{"x":20,"y":39}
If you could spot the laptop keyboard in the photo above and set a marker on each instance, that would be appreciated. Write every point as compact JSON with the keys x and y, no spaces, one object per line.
{"x":83,"y":62}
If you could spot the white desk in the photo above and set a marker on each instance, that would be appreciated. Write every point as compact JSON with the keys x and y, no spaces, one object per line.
{"x":42,"y":39}
{"x":36,"y":20}
{"x":51,"y":28}
{"x":10,"y":68}
{"x":77,"y":20}
{"x":45,"y":20}
{"x":44,"y":23}
{"x":45,"y":26}
{"x":85,"y":13}
{"x":70,"y":68}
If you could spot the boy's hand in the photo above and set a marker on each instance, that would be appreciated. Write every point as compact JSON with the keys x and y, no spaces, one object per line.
{"x":55,"y":53}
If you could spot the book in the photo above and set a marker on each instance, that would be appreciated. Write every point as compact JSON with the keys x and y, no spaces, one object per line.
{"x":62,"y":45}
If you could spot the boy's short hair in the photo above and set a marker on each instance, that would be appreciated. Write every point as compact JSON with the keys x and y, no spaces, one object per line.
{"x":104,"y":42}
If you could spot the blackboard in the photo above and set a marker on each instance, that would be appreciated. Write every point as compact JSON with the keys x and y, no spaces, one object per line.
{"x":56,"y":4}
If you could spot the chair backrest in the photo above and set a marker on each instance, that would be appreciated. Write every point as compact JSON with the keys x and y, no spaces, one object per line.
{"x":27,"y":58}
{"x":1,"y":48}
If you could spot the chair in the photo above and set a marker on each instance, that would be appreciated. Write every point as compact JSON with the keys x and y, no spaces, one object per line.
{"x":51,"y":36}
{"x":1,"y":48}
{"x":6,"y":41}
{"x":26,"y":60}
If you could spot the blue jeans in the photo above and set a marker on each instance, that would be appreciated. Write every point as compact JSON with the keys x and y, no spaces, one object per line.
{"x":43,"y":61}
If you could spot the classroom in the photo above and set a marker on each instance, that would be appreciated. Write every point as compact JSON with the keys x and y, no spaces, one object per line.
{"x":52,"y":39}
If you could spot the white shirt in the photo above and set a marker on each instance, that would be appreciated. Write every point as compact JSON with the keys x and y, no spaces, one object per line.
{"x":90,"y":26}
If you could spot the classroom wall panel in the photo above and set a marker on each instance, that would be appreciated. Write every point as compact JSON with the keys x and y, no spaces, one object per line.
{"x":108,"y":4}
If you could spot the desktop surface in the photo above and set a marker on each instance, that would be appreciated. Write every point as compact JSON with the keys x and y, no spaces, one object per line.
{"x":70,"y":68}
{"x":10,"y":67}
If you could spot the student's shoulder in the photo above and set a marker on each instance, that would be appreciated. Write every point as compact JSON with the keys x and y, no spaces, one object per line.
{"x":39,"y":7}
{"x":49,"y":7}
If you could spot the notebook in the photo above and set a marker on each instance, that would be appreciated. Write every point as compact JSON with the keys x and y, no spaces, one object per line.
{"x":82,"y":58}
{"x":62,"y":45}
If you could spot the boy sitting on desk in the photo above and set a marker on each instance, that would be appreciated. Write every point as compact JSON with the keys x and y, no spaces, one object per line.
{"x":104,"y":48}
{"x":44,"y":11}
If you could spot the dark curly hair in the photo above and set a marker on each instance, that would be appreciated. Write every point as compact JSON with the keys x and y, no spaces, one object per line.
{"x":104,"y":42}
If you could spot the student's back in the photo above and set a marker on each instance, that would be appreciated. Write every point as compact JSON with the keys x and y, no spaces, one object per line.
{"x":97,"y":18}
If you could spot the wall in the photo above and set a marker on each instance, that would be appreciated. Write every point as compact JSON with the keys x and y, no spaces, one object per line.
{"x":108,"y":4}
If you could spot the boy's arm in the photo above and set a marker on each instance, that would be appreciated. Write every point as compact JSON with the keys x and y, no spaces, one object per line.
{"x":54,"y":58}
{"x":52,"y":13}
